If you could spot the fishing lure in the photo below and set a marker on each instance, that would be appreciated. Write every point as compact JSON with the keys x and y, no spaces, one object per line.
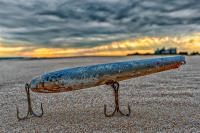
{"x":90,"y":76}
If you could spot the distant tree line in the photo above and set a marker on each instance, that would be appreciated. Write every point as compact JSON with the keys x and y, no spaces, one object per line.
{"x":163,"y":51}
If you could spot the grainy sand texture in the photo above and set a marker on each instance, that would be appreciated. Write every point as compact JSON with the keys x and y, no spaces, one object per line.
{"x":163,"y":102}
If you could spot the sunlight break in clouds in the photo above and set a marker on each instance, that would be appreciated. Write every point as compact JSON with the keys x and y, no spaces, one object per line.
{"x":188,"y":43}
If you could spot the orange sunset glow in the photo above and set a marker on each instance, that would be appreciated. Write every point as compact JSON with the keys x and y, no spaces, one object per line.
{"x":142,"y":45}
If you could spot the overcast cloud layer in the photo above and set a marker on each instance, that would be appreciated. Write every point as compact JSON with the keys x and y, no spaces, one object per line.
{"x":90,"y":23}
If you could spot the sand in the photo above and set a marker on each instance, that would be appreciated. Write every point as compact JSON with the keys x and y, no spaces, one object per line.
{"x":162,"y":102}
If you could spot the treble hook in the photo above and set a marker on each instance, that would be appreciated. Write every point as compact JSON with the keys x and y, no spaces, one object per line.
{"x":115,"y":86}
{"x":30,"y":110}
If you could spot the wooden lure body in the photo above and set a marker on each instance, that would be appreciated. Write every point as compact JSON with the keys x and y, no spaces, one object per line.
{"x":95,"y":75}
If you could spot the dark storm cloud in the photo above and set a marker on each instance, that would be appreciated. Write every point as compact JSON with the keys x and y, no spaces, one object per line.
{"x":88,"y":23}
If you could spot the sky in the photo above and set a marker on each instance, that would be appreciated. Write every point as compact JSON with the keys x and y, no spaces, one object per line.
{"x":59,"y":28}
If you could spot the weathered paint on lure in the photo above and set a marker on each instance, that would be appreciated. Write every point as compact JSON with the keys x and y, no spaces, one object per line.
{"x":91,"y":76}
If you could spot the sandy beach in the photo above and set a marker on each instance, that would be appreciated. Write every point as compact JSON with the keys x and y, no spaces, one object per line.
{"x":163,"y":102}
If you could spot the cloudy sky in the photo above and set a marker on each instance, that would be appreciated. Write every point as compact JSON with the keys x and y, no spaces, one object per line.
{"x":54,"y":28}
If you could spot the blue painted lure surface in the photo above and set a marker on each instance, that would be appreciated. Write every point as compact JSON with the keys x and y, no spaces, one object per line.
{"x":90,"y":76}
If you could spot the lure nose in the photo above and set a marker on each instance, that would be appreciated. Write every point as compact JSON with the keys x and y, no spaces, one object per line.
{"x":42,"y":85}
{"x":34,"y":84}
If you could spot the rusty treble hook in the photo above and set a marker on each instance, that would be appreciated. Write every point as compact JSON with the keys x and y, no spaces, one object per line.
{"x":115,"y":86}
{"x":30,"y":110}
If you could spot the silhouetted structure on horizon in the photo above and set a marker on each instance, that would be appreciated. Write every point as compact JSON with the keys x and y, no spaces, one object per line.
{"x":166,"y":51}
{"x":183,"y":53}
{"x":195,"y":53}
{"x":163,"y":51}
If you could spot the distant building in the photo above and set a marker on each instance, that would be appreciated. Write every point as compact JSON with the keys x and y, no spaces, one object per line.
{"x":172,"y":50}
{"x":166,"y":51}
{"x":157,"y":51}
